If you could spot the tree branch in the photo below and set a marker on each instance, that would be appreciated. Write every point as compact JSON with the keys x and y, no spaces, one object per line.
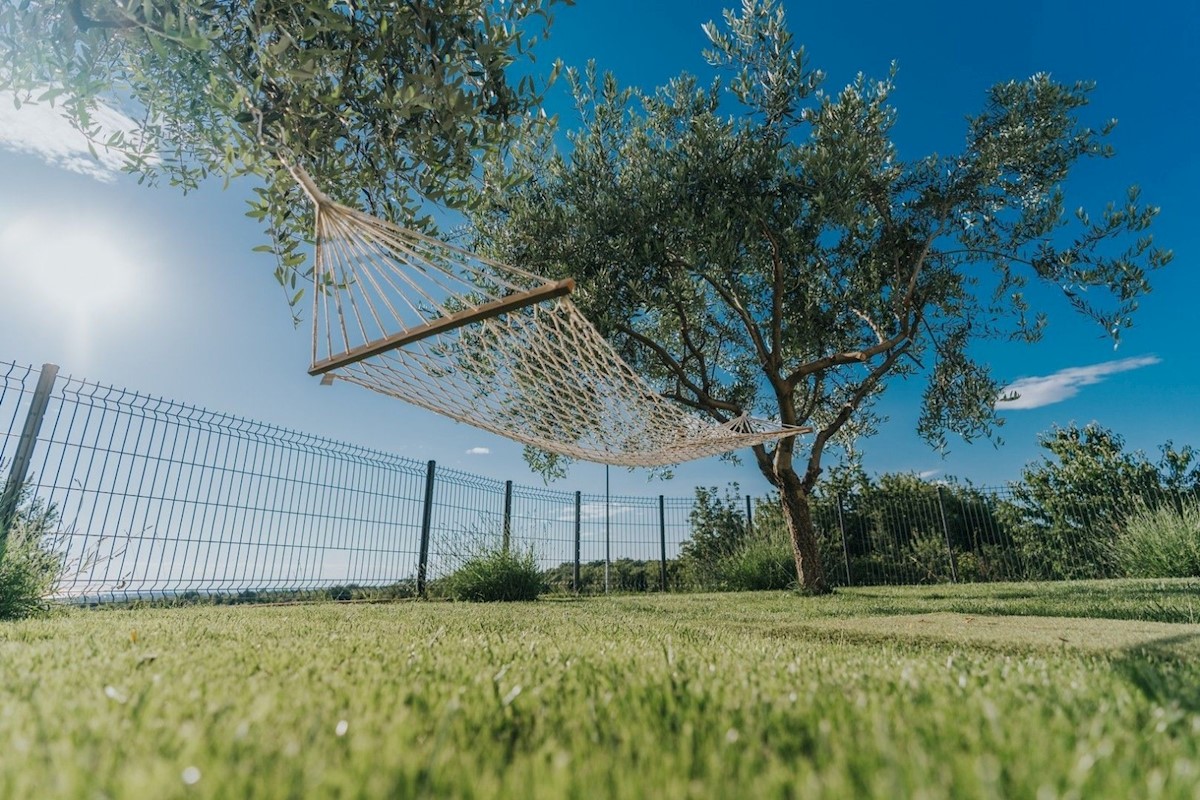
{"x":695,"y":352}
{"x":849,"y":356}
{"x":870,"y":323}
{"x":710,"y":403}
{"x":814,"y":397}
{"x":776,"y":299}
{"x":884,"y":345}
{"x":766,"y":460}
{"x":813,"y":470}
{"x":683,"y":399}
{"x":989,"y":253}
{"x":760,"y":347}
{"x":919,"y":264}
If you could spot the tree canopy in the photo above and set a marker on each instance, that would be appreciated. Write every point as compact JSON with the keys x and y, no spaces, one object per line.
{"x":757,"y":244}
{"x":387,"y":104}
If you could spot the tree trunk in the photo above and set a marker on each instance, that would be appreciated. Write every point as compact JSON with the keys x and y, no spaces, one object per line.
{"x":797,"y":514}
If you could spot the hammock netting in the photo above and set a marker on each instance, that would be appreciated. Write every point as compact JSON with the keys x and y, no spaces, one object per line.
{"x":490,"y":345}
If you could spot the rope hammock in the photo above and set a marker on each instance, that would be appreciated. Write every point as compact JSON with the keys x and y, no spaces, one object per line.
{"x":490,"y":345}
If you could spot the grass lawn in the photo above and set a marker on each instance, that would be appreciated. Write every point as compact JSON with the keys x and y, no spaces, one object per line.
{"x":1070,"y":690}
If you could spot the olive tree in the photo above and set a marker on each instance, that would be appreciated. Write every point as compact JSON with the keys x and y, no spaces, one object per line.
{"x":387,"y":104}
{"x":756,"y":244}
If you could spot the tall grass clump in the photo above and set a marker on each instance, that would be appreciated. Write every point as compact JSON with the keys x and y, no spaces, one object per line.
{"x":1161,"y":543}
{"x":759,"y":563}
{"x":494,"y":575}
{"x":30,"y":566}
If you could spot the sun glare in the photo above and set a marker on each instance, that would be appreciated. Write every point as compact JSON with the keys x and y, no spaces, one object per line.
{"x":81,"y":277}
{"x":71,"y":267}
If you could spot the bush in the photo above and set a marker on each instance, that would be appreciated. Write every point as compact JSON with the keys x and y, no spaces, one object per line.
{"x":29,"y":565}
{"x":625,"y":575}
{"x":926,"y":559}
{"x":719,"y":528}
{"x":760,"y":563}
{"x":1161,"y":543}
{"x":1068,"y":511}
{"x":495,"y":575}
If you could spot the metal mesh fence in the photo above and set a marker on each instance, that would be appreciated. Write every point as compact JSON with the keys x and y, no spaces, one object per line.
{"x":151,"y":498}
{"x":157,"y":498}
{"x":936,"y":534}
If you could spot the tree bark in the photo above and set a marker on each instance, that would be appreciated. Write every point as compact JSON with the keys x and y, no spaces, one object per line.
{"x":797,"y":515}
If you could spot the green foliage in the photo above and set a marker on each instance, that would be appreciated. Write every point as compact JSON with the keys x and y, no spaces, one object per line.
{"x":718,"y":529}
{"x":763,"y":561}
{"x":624,"y":575}
{"x":343,"y":593}
{"x":1070,"y":507}
{"x":30,"y":566}
{"x":495,"y":575}
{"x":897,"y":525}
{"x":725,"y":554}
{"x":384,"y":103}
{"x":1161,"y":543}
{"x":758,"y":245}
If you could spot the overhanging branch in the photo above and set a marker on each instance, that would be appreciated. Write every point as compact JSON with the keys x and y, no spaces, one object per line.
{"x":704,"y":400}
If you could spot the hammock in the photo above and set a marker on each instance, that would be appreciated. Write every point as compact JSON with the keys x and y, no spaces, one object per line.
{"x":490,"y":345}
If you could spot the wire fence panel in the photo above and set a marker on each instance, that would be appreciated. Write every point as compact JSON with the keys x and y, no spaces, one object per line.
{"x":150,"y":498}
{"x":544,"y":520}
{"x":14,"y":397}
{"x":156,"y":498}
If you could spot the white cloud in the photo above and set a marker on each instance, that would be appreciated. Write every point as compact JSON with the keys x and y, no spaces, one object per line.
{"x":40,"y":130}
{"x":479,"y":451}
{"x":929,"y":473}
{"x":592,"y":512}
{"x":1046,"y":390}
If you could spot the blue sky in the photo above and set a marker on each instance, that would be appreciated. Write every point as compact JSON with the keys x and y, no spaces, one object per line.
{"x":160,"y":292}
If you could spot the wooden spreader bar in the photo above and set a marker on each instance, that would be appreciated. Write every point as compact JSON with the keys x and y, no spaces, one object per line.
{"x":456,"y":320}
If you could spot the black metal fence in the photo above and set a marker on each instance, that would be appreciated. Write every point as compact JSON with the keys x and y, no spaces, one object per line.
{"x":153,"y":498}
{"x":931,"y":533}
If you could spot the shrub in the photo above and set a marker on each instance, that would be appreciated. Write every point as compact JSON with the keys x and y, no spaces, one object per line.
{"x":1161,"y":543}
{"x":926,"y":559}
{"x":495,"y":575}
{"x":30,"y":567}
{"x":759,"y":563}
{"x":718,"y":530}
{"x":1069,"y":509}
{"x":625,"y":575}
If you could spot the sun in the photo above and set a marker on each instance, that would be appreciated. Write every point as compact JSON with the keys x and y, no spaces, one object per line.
{"x":80,"y":271}
{"x":77,"y":280}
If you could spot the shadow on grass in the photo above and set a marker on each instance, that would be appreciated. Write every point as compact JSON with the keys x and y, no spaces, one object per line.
{"x":1166,"y":671}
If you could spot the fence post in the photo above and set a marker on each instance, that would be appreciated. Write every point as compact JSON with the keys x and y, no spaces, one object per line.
{"x":749,"y":518}
{"x":426,"y":525}
{"x":507,"y":515}
{"x":845,"y":546}
{"x":24,"y":455}
{"x":946,"y":533}
{"x":578,"y":496}
{"x":662,"y":540}
{"x":607,"y":528}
